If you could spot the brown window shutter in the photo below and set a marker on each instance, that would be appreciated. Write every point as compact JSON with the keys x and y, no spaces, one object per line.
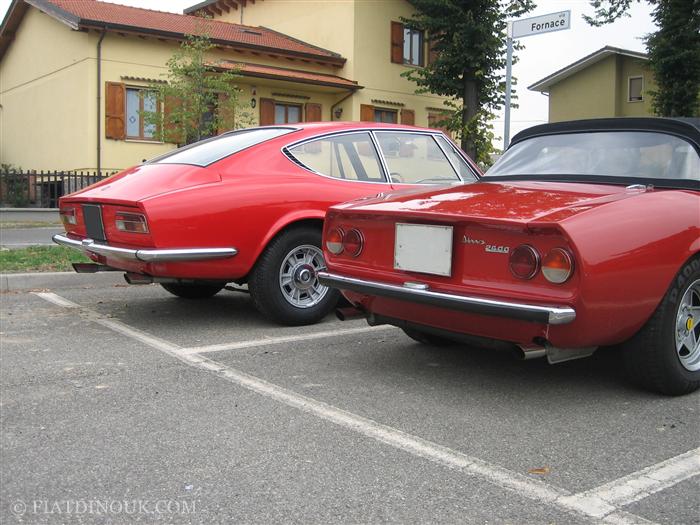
{"x":313,"y":112}
{"x":226,"y":114}
{"x":397,"y":42}
{"x":432,"y":53}
{"x":173,"y":131}
{"x":267,"y":111}
{"x":366,"y":113}
{"x":408,"y":117}
{"x":115,"y":110}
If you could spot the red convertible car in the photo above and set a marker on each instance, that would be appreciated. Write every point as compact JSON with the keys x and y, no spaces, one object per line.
{"x":584,"y":234}
{"x":248,"y":207}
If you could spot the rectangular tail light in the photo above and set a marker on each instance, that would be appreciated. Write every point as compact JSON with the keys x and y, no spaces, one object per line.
{"x":131,"y":222}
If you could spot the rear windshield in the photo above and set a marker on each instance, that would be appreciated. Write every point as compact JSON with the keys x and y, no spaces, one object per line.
{"x":210,"y":150}
{"x":642,"y":155}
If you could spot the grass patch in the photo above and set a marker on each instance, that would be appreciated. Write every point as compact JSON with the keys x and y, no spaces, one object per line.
{"x":40,"y":259}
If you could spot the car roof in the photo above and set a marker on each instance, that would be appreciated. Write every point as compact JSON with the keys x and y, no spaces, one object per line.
{"x":345,"y":125}
{"x":687,"y":128}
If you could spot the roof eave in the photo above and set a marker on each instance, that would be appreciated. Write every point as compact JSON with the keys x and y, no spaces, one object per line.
{"x":296,"y":80}
{"x":100,"y":25}
{"x":543,"y":85}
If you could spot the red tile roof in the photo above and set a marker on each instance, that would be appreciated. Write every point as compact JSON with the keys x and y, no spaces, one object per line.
{"x":293,"y":75}
{"x":92,"y":13}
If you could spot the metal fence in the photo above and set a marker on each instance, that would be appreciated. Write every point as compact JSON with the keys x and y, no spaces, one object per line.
{"x":41,"y":189}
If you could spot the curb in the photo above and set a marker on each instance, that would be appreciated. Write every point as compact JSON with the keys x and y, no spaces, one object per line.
{"x":15,"y":282}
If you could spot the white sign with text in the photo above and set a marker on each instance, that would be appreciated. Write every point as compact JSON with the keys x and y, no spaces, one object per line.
{"x":541,"y":24}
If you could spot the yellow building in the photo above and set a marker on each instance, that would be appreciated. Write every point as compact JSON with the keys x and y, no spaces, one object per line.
{"x":611,"y":82}
{"x":73,"y":73}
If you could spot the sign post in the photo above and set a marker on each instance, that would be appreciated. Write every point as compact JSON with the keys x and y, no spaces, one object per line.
{"x":519,"y":29}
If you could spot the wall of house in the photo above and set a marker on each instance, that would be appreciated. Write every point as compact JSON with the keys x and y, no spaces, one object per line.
{"x":631,"y":67}
{"x":385,"y":88}
{"x":329,"y":25}
{"x":45,"y":98}
{"x":590,"y":93}
{"x":360,"y":32}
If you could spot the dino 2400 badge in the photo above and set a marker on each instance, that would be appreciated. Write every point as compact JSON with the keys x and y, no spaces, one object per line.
{"x":489,"y":248}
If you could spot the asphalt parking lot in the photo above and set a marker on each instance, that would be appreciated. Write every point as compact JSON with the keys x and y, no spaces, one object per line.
{"x":124,"y":404}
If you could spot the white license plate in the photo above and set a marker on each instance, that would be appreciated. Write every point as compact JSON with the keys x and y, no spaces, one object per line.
{"x":422,"y":248}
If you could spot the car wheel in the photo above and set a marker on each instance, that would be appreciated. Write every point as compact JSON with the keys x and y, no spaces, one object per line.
{"x":426,"y":338}
{"x":193,"y":291}
{"x":284,"y":284}
{"x":664,"y":356}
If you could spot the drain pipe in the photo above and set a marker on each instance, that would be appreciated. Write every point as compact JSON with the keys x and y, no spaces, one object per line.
{"x":99,"y":102}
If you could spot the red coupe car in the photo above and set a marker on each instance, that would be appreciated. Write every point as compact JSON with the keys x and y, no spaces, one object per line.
{"x":248,"y":207}
{"x":584,"y":234}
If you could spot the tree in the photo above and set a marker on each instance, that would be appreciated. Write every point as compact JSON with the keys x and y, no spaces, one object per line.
{"x":199,"y":98}
{"x":674,"y":51}
{"x":468,"y":43}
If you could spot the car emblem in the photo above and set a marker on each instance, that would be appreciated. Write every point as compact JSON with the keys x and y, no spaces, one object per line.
{"x":492,"y":248}
{"x":468,"y":240}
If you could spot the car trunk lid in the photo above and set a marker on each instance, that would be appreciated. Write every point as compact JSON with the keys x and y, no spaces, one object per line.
{"x":143,"y":182}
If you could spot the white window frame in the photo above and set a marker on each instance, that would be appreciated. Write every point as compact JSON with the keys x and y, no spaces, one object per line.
{"x":629,"y":89}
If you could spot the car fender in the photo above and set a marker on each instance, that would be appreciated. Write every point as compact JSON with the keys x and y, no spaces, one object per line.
{"x":286,"y":221}
{"x":628,"y":253}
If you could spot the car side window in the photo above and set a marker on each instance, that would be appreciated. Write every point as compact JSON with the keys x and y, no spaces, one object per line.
{"x":349,"y":156}
{"x":457,"y":161}
{"x":415,"y":158}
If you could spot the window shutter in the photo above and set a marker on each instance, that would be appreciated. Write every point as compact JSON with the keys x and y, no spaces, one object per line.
{"x":408,"y":117}
{"x":172,"y":130}
{"x":397,"y":42}
{"x":313,"y":112}
{"x":432,"y":53}
{"x":225,"y":114}
{"x":366,"y":113}
{"x":115,"y":110}
{"x":267,"y":111}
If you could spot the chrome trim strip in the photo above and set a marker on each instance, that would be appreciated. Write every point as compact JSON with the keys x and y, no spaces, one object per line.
{"x":554,"y":315}
{"x":146,"y":255}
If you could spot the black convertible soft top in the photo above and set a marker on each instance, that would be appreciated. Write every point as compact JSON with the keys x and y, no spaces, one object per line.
{"x":687,"y":128}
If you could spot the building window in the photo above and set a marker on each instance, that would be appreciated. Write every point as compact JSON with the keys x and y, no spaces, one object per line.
{"x":636,"y":86}
{"x":412,"y":47}
{"x":287,"y":113}
{"x":386,"y":115}
{"x":138,"y":102}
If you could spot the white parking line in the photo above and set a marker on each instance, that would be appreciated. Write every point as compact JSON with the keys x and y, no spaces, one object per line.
{"x":602,"y":503}
{"x":56,"y":299}
{"x":240,"y":345}
{"x":638,"y":485}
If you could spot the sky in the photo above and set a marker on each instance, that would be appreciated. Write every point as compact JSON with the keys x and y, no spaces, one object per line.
{"x":542,"y":54}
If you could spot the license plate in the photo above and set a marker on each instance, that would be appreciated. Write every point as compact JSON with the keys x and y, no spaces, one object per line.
{"x":92,"y":215}
{"x":423,"y":248}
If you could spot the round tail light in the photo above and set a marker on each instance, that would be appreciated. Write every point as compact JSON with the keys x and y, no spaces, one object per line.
{"x":557,"y":266}
{"x":353,"y":242}
{"x":334,"y":241}
{"x":524,"y":262}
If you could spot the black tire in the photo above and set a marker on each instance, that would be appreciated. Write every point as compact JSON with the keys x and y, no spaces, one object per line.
{"x":194,"y":290}
{"x":650,"y":357}
{"x":272,"y":298}
{"x":426,"y":338}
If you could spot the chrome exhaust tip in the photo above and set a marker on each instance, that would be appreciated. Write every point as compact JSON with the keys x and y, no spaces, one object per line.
{"x":531,"y":352}
{"x":138,"y":278}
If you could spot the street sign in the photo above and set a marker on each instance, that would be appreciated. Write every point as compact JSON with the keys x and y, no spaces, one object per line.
{"x":520,"y":29}
{"x":541,"y":24}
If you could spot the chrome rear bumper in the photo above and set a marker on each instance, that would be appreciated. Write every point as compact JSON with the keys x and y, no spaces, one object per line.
{"x":478,"y":305}
{"x":146,"y":255}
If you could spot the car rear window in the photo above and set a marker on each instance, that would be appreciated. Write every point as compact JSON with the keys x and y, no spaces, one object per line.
{"x":211,"y":150}
{"x":637,"y":154}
